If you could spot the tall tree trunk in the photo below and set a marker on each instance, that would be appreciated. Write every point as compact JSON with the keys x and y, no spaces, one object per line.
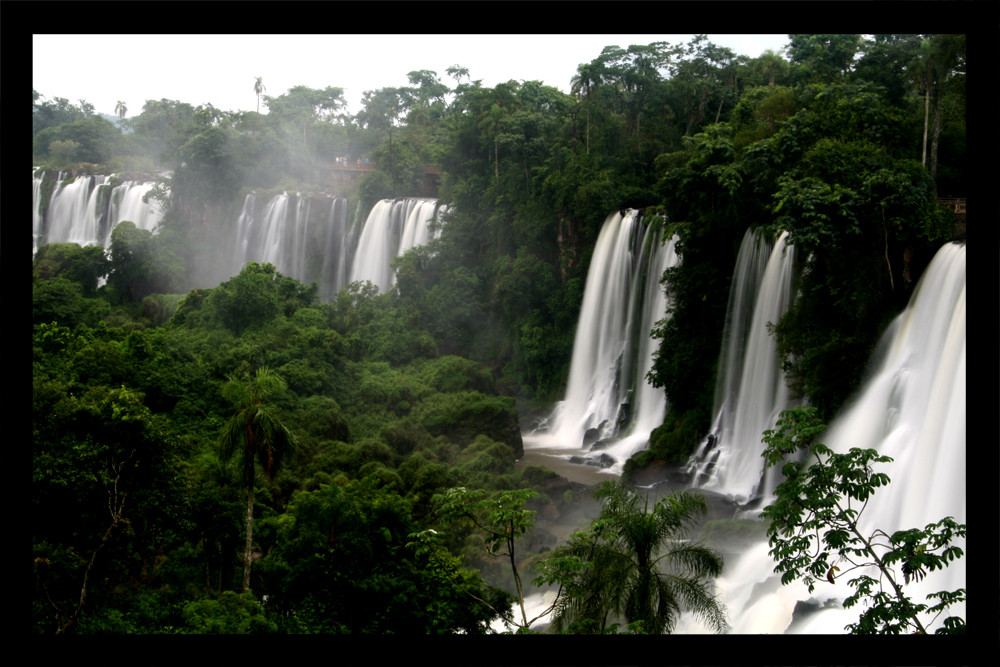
{"x":935,"y":133}
{"x":117,"y":519}
{"x":927,"y":109}
{"x":248,"y":549}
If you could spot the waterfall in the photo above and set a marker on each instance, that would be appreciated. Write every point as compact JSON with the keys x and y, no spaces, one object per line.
{"x":310,"y":238}
{"x":338,"y":245}
{"x":74,"y":215}
{"x":285,"y":233}
{"x":393,"y":227}
{"x":607,"y":397}
{"x":244,"y":229}
{"x":86,"y":210}
{"x":127,"y":204}
{"x":911,"y":407}
{"x":36,"y":209}
{"x":750,"y":391}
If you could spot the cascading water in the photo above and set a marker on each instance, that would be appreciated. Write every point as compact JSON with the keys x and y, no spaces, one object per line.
{"x":127,"y":204}
{"x":298,"y":234}
{"x":74,"y":215}
{"x":608,"y":398}
{"x":338,"y":246}
{"x":311,"y":243}
{"x":279,"y":240}
{"x":751,"y":390}
{"x":393,"y":227}
{"x":911,"y":408}
{"x":88,"y":209}
{"x":36,"y":210}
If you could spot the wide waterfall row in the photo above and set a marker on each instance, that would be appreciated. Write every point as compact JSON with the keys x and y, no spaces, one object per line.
{"x":911,"y":408}
{"x":750,"y":389}
{"x":608,"y":401}
{"x":86,"y":209}
{"x":307,"y":237}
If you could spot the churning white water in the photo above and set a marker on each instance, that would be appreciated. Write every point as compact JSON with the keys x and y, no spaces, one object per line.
{"x":607,"y":392}
{"x":751,"y":390}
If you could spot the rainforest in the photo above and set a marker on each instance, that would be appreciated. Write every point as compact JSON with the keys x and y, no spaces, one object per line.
{"x":508,"y":359}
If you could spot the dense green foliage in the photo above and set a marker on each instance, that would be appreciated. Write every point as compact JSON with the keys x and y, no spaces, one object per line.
{"x":394,"y":398}
{"x":126,"y":421}
{"x":826,"y":493}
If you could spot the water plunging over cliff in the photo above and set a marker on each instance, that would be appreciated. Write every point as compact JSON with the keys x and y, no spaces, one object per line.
{"x":393,"y":227}
{"x":911,"y":407}
{"x":750,"y":390}
{"x":86,"y":210}
{"x":608,"y":401}
{"x":311,"y":238}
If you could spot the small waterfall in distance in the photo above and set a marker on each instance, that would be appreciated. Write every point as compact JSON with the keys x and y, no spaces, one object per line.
{"x":393,"y":227}
{"x":608,"y":399}
{"x":37,"y":177}
{"x":911,"y":407}
{"x":74,"y":216}
{"x":305,"y":236}
{"x":750,"y":390}
{"x":88,"y":209}
{"x":278,"y":237}
{"x":311,"y":239}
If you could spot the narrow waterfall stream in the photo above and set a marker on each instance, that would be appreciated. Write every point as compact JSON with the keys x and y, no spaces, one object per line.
{"x":751,"y":390}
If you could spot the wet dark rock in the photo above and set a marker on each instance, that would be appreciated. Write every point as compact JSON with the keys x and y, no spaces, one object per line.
{"x":602,"y":444}
{"x":602,"y":461}
{"x":593,"y":434}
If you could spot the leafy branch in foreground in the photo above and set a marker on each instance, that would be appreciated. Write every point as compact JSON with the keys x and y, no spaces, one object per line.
{"x":815,"y":534}
{"x":502,"y":519}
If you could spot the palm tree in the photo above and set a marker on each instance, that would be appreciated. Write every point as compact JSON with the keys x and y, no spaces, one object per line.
{"x":770,"y":62}
{"x":258,"y":88}
{"x":121,"y":109}
{"x":255,"y":432}
{"x":588,"y":77}
{"x":639,"y":568}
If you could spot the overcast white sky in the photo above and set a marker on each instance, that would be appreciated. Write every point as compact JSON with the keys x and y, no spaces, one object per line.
{"x":221,"y":69}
